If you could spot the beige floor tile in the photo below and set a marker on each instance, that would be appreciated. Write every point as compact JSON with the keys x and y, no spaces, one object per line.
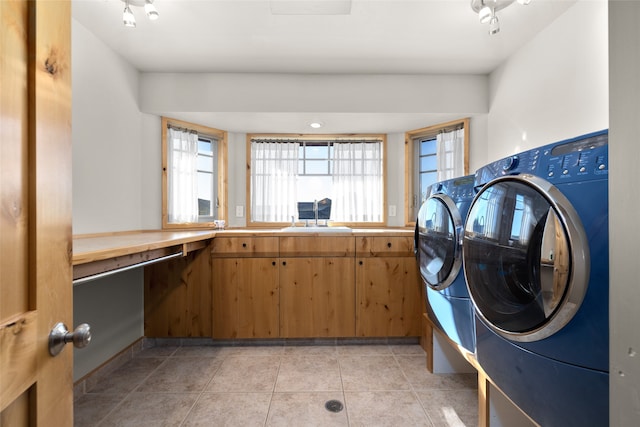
{"x":127,"y":377}
{"x":363,"y":350}
{"x":368,"y":373}
{"x":246,"y":373}
{"x":310,"y":350}
{"x":309,"y":373}
{"x":89,"y":409}
{"x":415,"y":370}
{"x":280,"y":385}
{"x":181,"y":375}
{"x":450,"y":408}
{"x":305,"y":409}
{"x":408,"y":350}
{"x":230,"y":409}
{"x":159,"y":351}
{"x":217,"y":352}
{"x":385,"y":408}
{"x":249,"y":350}
{"x":151,"y":410}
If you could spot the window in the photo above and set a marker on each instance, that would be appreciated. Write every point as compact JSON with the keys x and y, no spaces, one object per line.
{"x":193,"y":179}
{"x":426,"y":164}
{"x":433,"y":154}
{"x":208,"y":201}
{"x":348,"y":171}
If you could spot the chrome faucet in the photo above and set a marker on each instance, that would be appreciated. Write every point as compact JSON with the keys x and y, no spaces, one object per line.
{"x":315,"y":211}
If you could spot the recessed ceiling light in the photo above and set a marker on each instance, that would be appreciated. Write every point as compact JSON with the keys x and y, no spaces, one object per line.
{"x":310,"y":7}
{"x":316,"y":125}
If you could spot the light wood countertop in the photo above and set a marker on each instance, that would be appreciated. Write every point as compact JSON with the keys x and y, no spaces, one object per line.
{"x":96,"y":247}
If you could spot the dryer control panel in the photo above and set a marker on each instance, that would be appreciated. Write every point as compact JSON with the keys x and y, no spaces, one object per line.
{"x":577,"y":159}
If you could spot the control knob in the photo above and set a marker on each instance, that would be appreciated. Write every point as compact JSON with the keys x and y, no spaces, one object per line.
{"x":510,"y":163}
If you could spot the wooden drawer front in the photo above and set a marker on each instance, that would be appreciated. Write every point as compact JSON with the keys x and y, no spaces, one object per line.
{"x":384,"y":246}
{"x":293,"y":246}
{"x":244,"y":246}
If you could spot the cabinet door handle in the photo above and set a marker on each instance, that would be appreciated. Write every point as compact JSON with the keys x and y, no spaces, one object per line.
{"x":360,"y":262}
{"x":244,"y":245}
{"x":273,"y":263}
{"x":389,"y":244}
{"x":284,"y":262}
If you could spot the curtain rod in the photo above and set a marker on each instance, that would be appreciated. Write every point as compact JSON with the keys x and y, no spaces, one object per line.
{"x":181,"y":129}
{"x":337,"y":140}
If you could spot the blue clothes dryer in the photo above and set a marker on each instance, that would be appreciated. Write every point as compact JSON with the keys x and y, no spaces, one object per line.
{"x":536,"y":251}
{"x":439,"y":230}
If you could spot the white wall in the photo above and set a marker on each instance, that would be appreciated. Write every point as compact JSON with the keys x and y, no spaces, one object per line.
{"x":624,"y":228}
{"x":106,"y":134}
{"x":108,"y":190}
{"x":555,"y":87}
{"x":219,"y":92}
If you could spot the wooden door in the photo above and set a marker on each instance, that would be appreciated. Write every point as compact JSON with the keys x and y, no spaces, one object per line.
{"x":35,"y":211}
{"x":389,"y":297}
{"x":245,"y":298}
{"x":317,"y":297}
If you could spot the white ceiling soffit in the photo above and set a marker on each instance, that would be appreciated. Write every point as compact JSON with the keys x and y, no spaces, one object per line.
{"x":376,"y":37}
{"x":310,"y":7}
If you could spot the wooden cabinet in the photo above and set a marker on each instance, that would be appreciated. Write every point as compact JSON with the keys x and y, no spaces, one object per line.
{"x":317,"y":297}
{"x":245,"y":297}
{"x":317,"y":288}
{"x":245,"y":288}
{"x":388,"y":288}
{"x":314,"y":286}
{"x":177,"y":296}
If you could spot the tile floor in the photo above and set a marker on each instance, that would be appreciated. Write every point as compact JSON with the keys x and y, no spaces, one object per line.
{"x":279,"y":385}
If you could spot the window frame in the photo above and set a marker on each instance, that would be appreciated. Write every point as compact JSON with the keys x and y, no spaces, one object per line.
{"x":335,"y":138}
{"x":221,"y":137}
{"x":410,"y":203}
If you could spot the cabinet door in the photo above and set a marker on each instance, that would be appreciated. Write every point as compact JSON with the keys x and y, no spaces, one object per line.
{"x":317,"y":297}
{"x":389,"y":297}
{"x":245,"y":298}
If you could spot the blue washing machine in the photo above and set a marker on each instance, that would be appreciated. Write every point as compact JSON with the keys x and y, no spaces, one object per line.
{"x":536,"y":251}
{"x":439,"y":230}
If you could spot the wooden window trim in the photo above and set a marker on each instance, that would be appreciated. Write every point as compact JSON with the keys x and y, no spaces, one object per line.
{"x":221,"y":136}
{"x":409,"y":160}
{"x":316,"y":137}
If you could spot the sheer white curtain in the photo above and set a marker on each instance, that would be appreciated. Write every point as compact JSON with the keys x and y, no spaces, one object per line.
{"x":274,"y":171}
{"x":450,"y":154}
{"x":182,"y":176}
{"x":357,"y":182}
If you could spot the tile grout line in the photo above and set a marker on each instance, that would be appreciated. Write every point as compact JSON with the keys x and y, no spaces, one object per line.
{"x":132,"y":391}
{"x":266,"y":419}
{"x":344,"y":396}
{"x":204,"y":388}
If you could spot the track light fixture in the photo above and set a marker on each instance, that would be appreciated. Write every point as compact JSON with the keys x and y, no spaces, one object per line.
{"x":150,"y":10}
{"x":127,"y":16}
{"x":487,"y":11}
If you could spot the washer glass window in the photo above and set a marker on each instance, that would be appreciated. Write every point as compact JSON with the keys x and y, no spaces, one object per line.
{"x":517,"y":257}
{"x":437,"y":243}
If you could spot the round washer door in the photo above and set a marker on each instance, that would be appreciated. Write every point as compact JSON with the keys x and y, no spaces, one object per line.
{"x":439,"y":228}
{"x":526,"y":257}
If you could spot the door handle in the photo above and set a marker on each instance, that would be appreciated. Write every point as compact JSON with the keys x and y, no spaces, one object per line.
{"x":60,"y":335}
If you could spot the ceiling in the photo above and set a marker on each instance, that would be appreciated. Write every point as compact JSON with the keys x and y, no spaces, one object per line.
{"x":373,"y":37}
